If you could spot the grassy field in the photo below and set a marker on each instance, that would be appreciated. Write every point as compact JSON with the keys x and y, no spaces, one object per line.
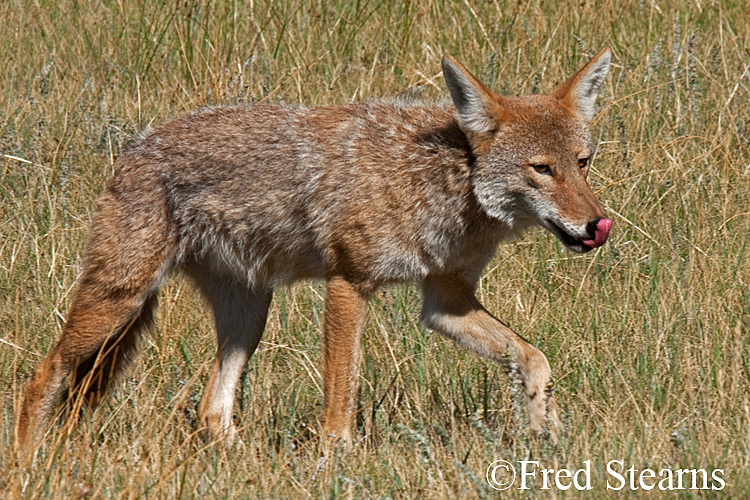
{"x":648,"y":337}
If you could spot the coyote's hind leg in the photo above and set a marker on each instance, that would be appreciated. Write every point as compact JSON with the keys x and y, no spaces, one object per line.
{"x":240,"y":314}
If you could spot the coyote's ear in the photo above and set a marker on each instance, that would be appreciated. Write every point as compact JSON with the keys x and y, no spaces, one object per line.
{"x":476,"y":104}
{"x":580,"y":90}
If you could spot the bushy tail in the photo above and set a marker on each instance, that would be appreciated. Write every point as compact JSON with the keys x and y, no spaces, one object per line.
{"x":94,"y":375}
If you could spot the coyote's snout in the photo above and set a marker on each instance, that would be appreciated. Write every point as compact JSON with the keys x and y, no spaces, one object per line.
{"x":244,"y":199}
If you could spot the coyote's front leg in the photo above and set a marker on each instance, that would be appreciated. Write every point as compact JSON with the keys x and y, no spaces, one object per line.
{"x":345,"y":308}
{"x":451,"y":309}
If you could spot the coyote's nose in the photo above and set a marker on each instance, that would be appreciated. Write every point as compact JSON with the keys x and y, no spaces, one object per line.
{"x":601,"y":233}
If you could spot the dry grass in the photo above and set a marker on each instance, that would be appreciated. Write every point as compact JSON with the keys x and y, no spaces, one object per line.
{"x":647,"y":336}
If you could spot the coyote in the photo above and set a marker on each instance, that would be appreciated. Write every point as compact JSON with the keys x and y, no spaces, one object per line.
{"x":247,"y":198}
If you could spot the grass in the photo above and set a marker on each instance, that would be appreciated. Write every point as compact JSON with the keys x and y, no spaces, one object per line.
{"x":647,"y":336}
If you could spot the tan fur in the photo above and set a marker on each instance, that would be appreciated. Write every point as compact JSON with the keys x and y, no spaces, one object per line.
{"x":344,"y":312}
{"x":244,"y":199}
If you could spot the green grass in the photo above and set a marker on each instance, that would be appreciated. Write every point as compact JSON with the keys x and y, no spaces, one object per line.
{"x":647,"y":337}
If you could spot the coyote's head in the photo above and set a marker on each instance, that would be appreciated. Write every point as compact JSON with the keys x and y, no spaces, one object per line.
{"x":533,"y":153}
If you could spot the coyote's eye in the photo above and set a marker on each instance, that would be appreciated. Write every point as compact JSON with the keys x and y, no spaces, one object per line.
{"x":583,"y":162}
{"x":542,"y":169}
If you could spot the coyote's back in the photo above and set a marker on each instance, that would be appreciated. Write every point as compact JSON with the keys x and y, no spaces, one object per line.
{"x":244,"y":199}
{"x":277,"y":194}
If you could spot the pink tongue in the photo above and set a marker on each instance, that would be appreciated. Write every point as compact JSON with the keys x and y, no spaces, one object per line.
{"x":601,"y":234}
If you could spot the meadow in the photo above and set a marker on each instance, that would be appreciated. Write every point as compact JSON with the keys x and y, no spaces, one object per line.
{"x":648,"y":336}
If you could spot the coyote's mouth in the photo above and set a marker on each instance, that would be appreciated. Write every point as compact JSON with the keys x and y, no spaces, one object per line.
{"x":582,"y":245}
